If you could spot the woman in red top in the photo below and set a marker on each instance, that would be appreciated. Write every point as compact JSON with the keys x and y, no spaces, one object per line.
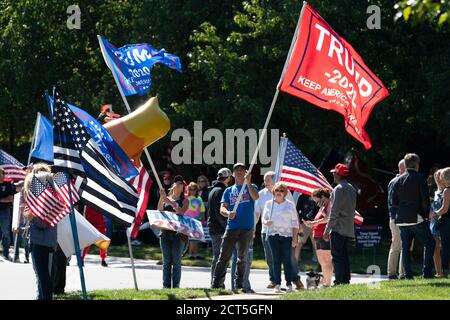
{"x":322,"y":199}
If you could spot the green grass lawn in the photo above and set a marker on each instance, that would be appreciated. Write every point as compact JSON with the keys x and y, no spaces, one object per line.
{"x":419,"y":289}
{"x":154,"y":294}
{"x":360,"y":259}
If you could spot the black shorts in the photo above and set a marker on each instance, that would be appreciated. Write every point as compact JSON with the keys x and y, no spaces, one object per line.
{"x":322,"y":244}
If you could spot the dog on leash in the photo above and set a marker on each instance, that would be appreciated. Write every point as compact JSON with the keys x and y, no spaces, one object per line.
{"x":313,"y":280}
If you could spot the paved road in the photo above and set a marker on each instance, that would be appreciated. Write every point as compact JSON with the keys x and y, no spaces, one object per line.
{"x":17,"y":280}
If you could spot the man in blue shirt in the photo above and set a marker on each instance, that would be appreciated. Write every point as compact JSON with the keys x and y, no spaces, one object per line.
{"x":240,"y":226}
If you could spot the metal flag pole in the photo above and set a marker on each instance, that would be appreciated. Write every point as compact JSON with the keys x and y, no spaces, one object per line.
{"x":145,"y":150}
{"x":128,"y":108}
{"x":33,"y":142}
{"x":72,"y":217}
{"x":274,"y":100}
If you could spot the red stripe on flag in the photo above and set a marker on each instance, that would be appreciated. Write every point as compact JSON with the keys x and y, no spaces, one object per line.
{"x":142,"y":183}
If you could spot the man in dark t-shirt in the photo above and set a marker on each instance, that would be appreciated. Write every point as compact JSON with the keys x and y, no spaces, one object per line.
{"x":6,"y":198}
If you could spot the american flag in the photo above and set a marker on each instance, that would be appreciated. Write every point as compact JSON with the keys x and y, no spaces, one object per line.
{"x":63,"y":190}
{"x":298,"y":173}
{"x":142,"y":183}
{"x":98,"y":184}
{"x":13,"y":168}
{"x":44,"y":202}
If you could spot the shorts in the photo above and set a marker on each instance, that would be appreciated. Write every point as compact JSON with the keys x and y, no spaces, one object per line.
{"x":307,"y":233}
{"x":322,"y":244}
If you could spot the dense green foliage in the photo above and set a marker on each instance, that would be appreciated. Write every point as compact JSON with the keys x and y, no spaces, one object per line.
{"x":232,"y":54}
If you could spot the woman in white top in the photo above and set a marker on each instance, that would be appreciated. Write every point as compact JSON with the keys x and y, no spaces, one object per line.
{"x":280,"y":215}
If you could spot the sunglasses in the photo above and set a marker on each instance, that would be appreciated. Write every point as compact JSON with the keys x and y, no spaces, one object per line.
{"x":279,"y":190}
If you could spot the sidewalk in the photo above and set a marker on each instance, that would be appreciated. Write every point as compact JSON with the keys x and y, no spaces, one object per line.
{"x":18,"y":279}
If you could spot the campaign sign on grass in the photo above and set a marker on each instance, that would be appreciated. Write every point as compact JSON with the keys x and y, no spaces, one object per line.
{"x":170,"y":221}
{"x":368,"y":236}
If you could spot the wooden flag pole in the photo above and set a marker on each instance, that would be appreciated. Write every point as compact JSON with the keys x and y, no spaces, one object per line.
{"x":72,"y":217}
{"x":272,"y":106}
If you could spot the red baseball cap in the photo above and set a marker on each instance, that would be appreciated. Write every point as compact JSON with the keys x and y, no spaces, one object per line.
{"x":341,"y":169}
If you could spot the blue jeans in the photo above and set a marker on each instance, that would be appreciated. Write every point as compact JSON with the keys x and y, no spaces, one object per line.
{"x":26,"y":243}
{"x":268,"y":255}
{"x":421,"y":231}
{"x":41,"y":264}
{"x":248,"y":266}
{"x":5,"y":222}
{"x":281,"y":251}
{"x":172,"y":249}
{"x":294,"y":263}
{"x":445,"y":244}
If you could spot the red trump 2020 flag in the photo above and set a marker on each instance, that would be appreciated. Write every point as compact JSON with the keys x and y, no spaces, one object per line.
{"x":326,"y":71}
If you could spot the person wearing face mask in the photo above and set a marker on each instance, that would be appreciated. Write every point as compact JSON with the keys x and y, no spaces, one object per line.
{"x":323,"y":249}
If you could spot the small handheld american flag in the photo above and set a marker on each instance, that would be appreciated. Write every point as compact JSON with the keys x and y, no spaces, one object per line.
{"x":14,"y":170}
{"x":44,"y":202}
{"x":61,"y":187}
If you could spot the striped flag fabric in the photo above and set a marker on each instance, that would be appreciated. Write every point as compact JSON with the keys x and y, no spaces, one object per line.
{"x":297,"y":172}
{"x":14,"y":170}
{"x":142,"y":184}
{"x":98,"y":184}
{"x":44,"y":203}
{"x":300,"y":175}
{"x":358,"y":219}
{"x":63,"y":190}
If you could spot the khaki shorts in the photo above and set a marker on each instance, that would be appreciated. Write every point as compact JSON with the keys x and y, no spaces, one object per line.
{"x":307,"y":233}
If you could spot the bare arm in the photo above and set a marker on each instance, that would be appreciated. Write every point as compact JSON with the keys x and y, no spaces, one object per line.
{"x":445,"y":203}
{"x":253,"y":193}
{"x":184,"y":208}
{"x":225,"y":212}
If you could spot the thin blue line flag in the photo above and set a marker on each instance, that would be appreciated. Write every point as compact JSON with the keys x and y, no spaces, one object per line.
{"x":109,"y":148}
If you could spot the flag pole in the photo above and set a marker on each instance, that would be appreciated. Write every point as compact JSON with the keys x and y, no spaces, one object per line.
{"x":128,"y":109}
{"x":145,"y":150}
{"x":33,"y":140}
{"x":72,"y":218}
{"x":272,"y":106}
{"x":131,"y":256}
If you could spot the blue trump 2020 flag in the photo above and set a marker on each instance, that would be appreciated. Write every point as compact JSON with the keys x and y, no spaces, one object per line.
{"x":132,"y":64}
{"x":43,"y":139}
{"x":112,"y":152}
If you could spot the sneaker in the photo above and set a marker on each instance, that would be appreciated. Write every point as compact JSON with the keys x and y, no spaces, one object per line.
{"x":393,"y":277}
{"x":289,"y":289}
{"x":271,"y":285}
{"x":299,"y":285}
{"x":104,"y":264}
{"x":7,"y":258}
{"x":26,"y":260}
{"x":277,"y":289}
